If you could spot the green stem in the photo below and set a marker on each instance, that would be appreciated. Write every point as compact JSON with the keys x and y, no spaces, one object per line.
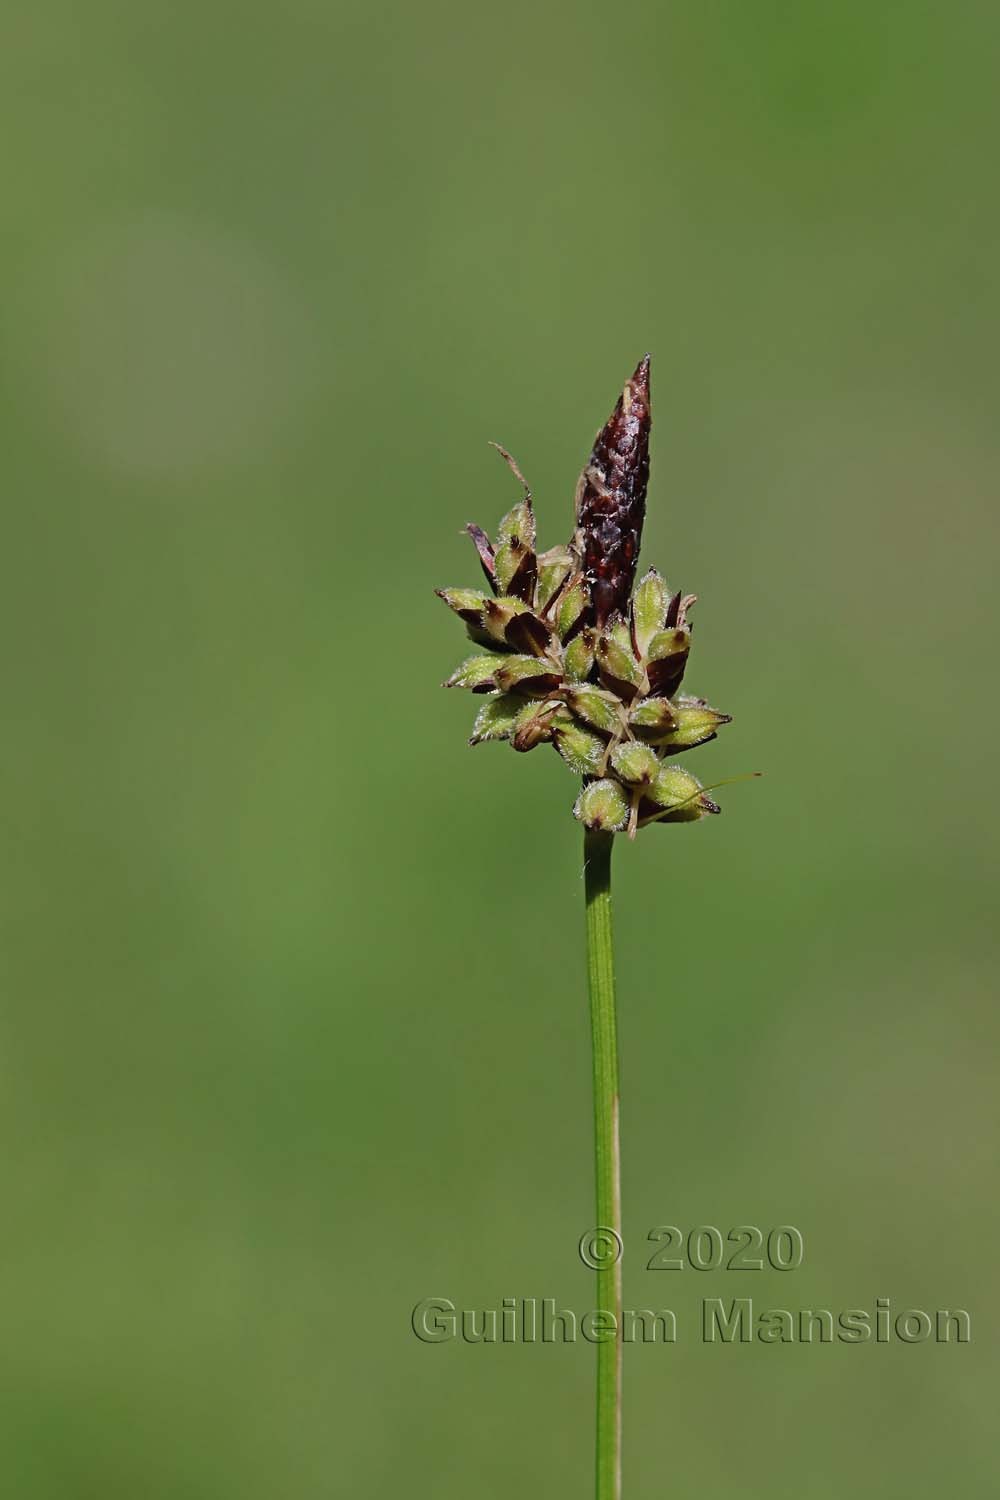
{"x":601,"y":980}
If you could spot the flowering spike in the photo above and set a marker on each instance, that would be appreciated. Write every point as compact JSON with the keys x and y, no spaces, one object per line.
{"x":579,"y":654}
{"x":611,"y":499}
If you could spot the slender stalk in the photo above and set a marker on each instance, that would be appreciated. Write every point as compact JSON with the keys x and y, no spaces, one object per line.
{"x":601,"y":981}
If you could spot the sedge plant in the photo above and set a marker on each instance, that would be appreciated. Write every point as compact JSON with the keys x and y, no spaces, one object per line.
{"x":572,"y":652}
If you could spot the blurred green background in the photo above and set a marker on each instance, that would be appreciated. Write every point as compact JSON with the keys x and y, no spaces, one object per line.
{"x":293,"y":1025}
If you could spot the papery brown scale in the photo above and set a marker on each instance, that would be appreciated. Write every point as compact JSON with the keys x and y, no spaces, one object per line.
{"x":484,"y":548}
{"x":529,"y":634}
{"x":611,"y":500}
{"x":677,"y":609}
{"x":525,"y":577}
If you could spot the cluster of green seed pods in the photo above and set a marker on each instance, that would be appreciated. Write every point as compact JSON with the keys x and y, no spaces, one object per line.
{"x":575,"y":654}
{"x":605,"y":697}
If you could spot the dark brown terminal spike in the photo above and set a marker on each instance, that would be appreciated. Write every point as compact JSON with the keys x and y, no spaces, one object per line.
{"x":611,"y":500}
